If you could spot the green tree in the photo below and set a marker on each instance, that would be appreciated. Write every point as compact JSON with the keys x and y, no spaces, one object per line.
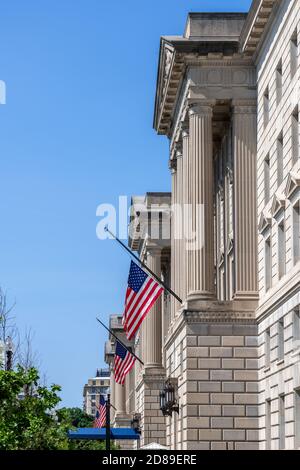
{"x":29,"y":419}
{"x":27,"y":413}
{"x":79,"y":419}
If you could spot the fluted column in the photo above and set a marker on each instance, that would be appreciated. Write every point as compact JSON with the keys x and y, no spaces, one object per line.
{"x":185,"y":213}
{"x":120,"y":399}
{"x":127,"y":393}
{"x":245,"y":228}
{"x":132,"y":390}
{"x":152,"y":324}
{"x":178,"y":227}
{"x":201,"y":183}
{"x":173,"y":168}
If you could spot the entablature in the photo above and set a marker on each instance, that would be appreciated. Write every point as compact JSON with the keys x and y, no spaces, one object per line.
{"x":214,"y":76}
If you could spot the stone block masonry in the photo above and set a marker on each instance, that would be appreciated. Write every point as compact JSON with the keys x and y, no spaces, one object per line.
{"x":218,"y":401}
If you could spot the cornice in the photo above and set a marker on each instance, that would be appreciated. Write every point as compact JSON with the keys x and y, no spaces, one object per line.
{"x":218,"y":60}
{"x":255,"y":26}
{"x":209,"y":316}
{"x":173,"y":66}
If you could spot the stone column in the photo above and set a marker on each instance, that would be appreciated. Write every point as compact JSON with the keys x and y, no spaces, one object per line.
{"x":245,"y":221}
{"x":185,"y":214}
{"x":120,"y":399}
{"x":179,"y":274}
{"x":201,"y":182}
{"x":173,"y":168}
{"x":127,"y":393}
{"x":152,"y":324}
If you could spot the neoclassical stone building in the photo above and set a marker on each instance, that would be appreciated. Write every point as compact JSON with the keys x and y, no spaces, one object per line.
{"x":227,"y":99}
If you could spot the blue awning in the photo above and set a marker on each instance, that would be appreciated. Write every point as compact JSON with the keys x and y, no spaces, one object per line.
{"x":100,"y":434}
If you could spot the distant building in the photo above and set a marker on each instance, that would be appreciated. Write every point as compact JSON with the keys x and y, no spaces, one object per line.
{"x":96,"y":386}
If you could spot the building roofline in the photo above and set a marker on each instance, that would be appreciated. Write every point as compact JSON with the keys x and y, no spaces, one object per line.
{"x":258,"y":19}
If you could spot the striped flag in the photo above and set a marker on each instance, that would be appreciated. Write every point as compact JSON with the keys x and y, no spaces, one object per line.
{"x":100,"y":419}
{"x":142,"y":293}
{"x":123,"y":363}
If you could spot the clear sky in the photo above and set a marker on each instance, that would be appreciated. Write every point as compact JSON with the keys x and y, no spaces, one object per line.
{"x":77,"y":132}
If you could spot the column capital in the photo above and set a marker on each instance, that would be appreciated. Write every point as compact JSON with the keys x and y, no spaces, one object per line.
{"x":173,"y":165}
{"x":244,"y":106}
{"x":201,"y":107}
{"x":153,"y":250}
{"x":178,"y":149}
{"x":185,"y":130}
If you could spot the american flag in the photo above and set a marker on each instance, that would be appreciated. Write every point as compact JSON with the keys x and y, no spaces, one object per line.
{"x":100,"y":419}
{"x":142,"y":292}
{"x":123,"y":363}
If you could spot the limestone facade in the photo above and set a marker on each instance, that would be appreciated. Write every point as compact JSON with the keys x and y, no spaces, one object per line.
{"x":277,"y":61}
{"x":227,"y":99}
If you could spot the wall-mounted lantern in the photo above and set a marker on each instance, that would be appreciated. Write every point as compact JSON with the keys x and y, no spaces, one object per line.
{"x":168,"y":398}
{"x":135,"y":423}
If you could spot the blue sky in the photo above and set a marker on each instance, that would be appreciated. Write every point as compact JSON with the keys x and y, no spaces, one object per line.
{"x":77,"y":132}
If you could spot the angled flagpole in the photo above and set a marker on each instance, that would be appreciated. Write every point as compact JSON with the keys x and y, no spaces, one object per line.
{"x":127,"y":349}
{"x":152,"y":274}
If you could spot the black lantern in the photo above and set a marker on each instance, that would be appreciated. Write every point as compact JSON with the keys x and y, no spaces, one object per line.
{"x":167,"y":398}
{"x":135,"y":423}
{"x":162,"y":402}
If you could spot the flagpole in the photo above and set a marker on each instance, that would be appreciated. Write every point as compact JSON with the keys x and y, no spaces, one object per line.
{"x":107,"y":434}
{"x":167,"y":288}
{"x":127,"y":349}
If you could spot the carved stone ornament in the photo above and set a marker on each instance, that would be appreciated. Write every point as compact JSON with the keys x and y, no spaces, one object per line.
{"x":265,"y":222}
{"x":292,"y":184}
{"x":278,"y":203}
{"x":167,"y":66}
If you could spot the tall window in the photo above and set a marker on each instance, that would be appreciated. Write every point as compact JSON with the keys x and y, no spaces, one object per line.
{"x":281,"y":250}
{"x":267,"y":178}
{"x":267,"y":347}
{"x":294,"y":53}
{"x":266,"y":107}
{"x":279,"y":82}
{"x":296,"y":232}
{"x":268,"y":264}
{"x":268,"y":425}
{"x":280,"y":159}
{"x":295,"y":135}
{"x":280,"y":340}
{"x":297,"y":419}
{"x":281,"y":422}
{"x":296,"y":329}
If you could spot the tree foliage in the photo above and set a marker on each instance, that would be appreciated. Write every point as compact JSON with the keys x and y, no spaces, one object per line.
{"x":79,"y":419}
{"x":29,"y":421}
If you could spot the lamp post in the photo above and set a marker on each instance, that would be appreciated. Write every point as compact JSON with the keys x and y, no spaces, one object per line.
{"x":9,"y":353}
